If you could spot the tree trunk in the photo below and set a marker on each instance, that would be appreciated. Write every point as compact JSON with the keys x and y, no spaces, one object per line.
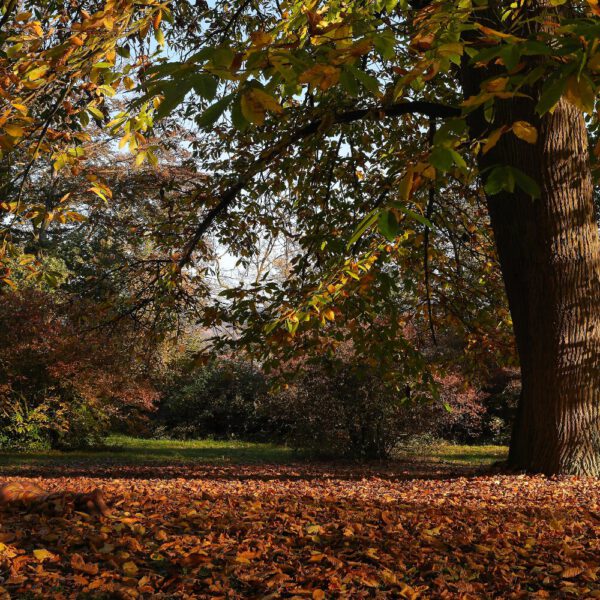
{"x":549,"y":250}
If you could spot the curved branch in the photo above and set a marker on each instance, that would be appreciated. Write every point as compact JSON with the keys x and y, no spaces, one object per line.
{"x":430,"y":109}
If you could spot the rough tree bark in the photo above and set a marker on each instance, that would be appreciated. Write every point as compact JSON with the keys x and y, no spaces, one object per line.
{"x":549,"y":251}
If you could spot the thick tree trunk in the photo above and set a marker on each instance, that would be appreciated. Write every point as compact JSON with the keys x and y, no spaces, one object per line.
{"x":549,"y":250}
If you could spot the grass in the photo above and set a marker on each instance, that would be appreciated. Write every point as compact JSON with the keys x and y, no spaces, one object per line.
{"x":127,"y":450}
{"x":467,"y":455}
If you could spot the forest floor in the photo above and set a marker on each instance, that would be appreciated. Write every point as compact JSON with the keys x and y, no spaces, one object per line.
{"x":219,"y":520}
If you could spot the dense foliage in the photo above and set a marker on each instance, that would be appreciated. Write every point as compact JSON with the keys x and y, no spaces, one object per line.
{"x":60,"y":386}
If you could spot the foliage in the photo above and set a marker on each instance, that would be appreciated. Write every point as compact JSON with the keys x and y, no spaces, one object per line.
{"x":340,"y":406}
{"x":216,"y":400}
{"x":60,"y":64}
{"x":58,"y":385}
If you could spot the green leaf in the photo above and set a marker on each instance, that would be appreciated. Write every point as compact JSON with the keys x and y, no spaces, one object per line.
{"x":504,"y":178}
{"x":511,"y":55}
{"x":442,"y":159}
{"x":212,"y":114}
{"x":368,"y":81}
{"x":551,"y":94}
{"x":174,"y":94}
{"x":415,"y":216}
{"x":498,"y":180}
{"x":205,"y":85}
{"x":387,"y":224}
{"x":237,"y":116}
{"x":349,"y":82}
{"x":365,"y":224}
{"x":526,"y":183}
{"x":385,"y":43}
{"x":124,"y":51}
{"x":97,"y":114}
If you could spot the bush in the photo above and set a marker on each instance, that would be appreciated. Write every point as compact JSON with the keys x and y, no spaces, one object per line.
{"x":335,"y":405}
{"x":220,"y":400}
{"x":340,"y":406}
{"x":59,"y":387}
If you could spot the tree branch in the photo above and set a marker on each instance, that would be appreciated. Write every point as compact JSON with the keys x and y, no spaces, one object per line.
{"x":430,"y":109}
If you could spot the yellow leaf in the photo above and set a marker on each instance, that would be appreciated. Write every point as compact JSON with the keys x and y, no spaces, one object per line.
{"x":37,"y":73}
{"x":256,"y":103}
{"x":260,"y":39}
{"x":495,"y":32}
{"x":140,"y":158}
{"x":14,"y":130}
{"x":130,"y":568}
{"x":37,"y":28}
{"x":525,"y":131}
{"x":406,"y":184}
{"x":329,"y":315}
{"x":322,"y":76}
{"x":580,"y":92}
{"x":42,"y":554}
{"x":20,"y":107}
{"x":124,"y":141}
{"x":594,"y":62}
{"x":451,"y":49}
{"x":496,"y":85}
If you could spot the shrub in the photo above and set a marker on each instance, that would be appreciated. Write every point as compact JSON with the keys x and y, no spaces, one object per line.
{"x":339,"y":406}
{"x":58,"y":386}
{"x":221,"y":400}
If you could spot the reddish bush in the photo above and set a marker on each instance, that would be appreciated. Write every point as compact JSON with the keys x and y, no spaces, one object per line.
{"x":61,"y":385}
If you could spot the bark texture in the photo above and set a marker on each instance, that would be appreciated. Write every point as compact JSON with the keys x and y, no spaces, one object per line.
{"x":549,"y":251}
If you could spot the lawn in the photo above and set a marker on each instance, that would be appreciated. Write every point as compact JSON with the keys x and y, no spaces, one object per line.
{"x":230,"y":520}
{"x":122,"y":449}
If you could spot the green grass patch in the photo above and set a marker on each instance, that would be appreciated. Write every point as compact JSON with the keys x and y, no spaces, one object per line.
{"x":125,"y":450}
{"x":122,"y":449}
{"x":460,"y":454}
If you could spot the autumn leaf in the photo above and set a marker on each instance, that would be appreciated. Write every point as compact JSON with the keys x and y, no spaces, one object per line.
{"x":130,"y":569}
{"x":79,"y":564}
{"x":255,"y":104}
{"x":493,"y":139}
{"x":14,"y":130}
{"x":42,"y":554}
{"x":525,"y":131}
{"x":580,"y":92}
{"x":260,"y":39}
{"x":321,"y":76}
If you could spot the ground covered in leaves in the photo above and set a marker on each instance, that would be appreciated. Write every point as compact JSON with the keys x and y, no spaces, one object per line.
{"x":401,"y":530}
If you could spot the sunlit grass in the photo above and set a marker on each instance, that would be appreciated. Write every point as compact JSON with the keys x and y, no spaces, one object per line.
{"x":121,"y":449}
{"x":465,"y":455}
{"x":130,"y":450}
